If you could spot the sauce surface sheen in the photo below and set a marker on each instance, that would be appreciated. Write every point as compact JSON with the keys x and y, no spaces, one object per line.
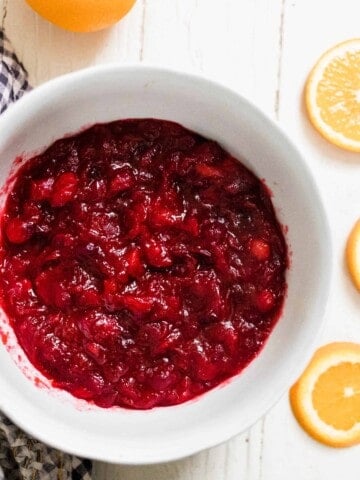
{"x":141,"y":264}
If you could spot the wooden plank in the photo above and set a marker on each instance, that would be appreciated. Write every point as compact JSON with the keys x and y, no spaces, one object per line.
{"x":48,"y":51}
{"x":234,"y":42}
{"x":238,"y":45}
{"x":310,"y":28}
{"x":229,"y":461}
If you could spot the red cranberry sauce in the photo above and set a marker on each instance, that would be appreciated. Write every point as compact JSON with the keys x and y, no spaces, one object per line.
{"x":141,"y":264}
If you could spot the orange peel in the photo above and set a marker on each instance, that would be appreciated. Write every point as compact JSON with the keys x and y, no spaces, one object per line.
{"x":352,"y":254}
{"x":82,"y":15}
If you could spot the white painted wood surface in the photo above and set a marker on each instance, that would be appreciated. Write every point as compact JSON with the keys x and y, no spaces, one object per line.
{"x":263,"y":49}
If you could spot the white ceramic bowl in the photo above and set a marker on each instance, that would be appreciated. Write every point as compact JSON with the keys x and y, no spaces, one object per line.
{"x":67,"y":104}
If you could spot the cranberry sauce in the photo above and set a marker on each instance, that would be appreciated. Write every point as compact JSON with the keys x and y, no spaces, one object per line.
{"x":141,"y":264}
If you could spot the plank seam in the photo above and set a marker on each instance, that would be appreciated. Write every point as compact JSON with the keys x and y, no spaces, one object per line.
{"x":262,"y":435}
{"x":280,"y":60}
{"x":142,"y":31}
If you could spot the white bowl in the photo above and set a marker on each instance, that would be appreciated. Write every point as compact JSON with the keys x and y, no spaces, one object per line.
{"x":67,"y":104}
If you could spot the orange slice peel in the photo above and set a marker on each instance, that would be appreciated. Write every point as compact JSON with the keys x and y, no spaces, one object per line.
{"x":326,"y":398}
{"x":352,"y":254}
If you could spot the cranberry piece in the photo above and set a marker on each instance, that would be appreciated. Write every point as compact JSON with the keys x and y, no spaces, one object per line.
{"x":134,"y":397}
{"x":50,"y":287}
{"x":113,"y":373}
{"x":137,"y":304}
{"x":110,"y":286}
{"x":191,"y":225}
{"x":32,"y":213}
{"x":96,"y":351}
{"x":64,"y":189}
{"x":133,"y":261}
{"x":159,"y":337}
{"x":203,"y":368}
{"x":107,"y":329}
{"x":164,"y":216}
{"x":94,"y":191}
{"x":157,"y":254}
{"x":208,"y":171}
{"x":89,"y":298}
{"x":162,"y":376}
{"x":260,"y":249}
{"x":123,"y":180}
{"x":265,"y":300}
{"x":63,"y":241}
{"x":226,"y":334}
{"x":106,"y":399}
{"x":41,"y":189}
{"x":18,"y":231}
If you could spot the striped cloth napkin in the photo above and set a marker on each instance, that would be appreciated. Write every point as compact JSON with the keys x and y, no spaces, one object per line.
{"x":22,"y":457}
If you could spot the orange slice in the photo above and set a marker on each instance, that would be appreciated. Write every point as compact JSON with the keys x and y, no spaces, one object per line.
{"x":352,"y":254}
{"x":332,"y":95}
{"x":326,"y":398}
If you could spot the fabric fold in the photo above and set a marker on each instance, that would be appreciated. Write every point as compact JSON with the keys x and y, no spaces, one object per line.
{"x":13,"y":76}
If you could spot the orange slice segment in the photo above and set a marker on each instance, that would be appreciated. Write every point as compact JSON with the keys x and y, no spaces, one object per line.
{"x":332,"y":95}
{"x":326,"y":398}
{"x":352,"y":254}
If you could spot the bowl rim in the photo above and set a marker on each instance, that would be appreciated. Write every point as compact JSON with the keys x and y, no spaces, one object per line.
{"x":298,"y":361}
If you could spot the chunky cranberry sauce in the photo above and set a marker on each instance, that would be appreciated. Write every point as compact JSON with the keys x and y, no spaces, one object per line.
{"x":141,"y":264}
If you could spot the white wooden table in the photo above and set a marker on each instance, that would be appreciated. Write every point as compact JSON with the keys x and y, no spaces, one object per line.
{"x":264,"y":50}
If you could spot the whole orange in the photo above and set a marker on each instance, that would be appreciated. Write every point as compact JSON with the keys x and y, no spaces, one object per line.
{"x":82,"y":15}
